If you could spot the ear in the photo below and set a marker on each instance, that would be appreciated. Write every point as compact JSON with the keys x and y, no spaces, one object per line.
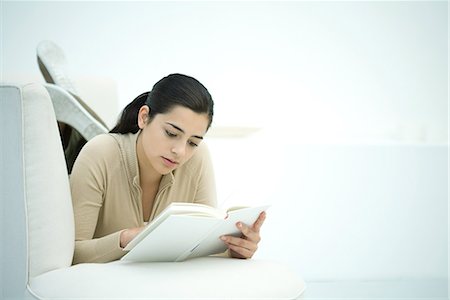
{"x":143,"y":116}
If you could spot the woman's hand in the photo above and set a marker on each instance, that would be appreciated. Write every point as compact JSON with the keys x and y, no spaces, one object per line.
{"x":128,"y":234}
{"x":247,"y":244}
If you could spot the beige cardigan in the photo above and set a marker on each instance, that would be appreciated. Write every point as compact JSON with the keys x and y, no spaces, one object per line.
{"x":106,"y":194}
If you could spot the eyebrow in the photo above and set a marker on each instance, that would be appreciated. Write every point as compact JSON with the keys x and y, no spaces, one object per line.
{"x":178,"y":128}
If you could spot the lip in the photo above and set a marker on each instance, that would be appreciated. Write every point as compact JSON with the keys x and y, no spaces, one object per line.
{"x":168,"y":162}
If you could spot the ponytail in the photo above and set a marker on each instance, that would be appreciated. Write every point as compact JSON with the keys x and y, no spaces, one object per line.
{"x":172,"y":90}
{"x":128,"y":122}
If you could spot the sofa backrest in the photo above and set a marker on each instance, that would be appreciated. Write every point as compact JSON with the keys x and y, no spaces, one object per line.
{"x":36,"y":176}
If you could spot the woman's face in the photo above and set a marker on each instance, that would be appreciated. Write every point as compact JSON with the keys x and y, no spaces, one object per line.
{"x":170,"y":139}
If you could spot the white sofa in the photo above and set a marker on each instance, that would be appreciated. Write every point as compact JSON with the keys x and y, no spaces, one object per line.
{"x":38,"y":229}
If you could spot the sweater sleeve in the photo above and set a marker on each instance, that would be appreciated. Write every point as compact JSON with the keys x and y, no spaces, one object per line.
{"x":87,"y":183}
{"x":206,"y":186}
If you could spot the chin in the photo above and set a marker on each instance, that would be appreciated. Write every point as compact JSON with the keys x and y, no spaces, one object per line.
{"x":165,"y":171}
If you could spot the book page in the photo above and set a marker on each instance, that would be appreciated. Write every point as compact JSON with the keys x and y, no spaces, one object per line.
{"x":173,"y":237}
{"x":177,"y":208}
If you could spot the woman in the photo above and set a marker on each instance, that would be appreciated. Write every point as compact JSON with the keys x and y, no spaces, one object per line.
{"x":153,"y":157}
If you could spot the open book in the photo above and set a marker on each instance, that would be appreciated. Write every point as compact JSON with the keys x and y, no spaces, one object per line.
{"x":187,"y":230}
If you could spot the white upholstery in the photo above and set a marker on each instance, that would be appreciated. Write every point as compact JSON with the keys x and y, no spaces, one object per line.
{"x":48,"y":204}
{"x":207,"y":277}
{"x":39,"y":228}
{"x":14,"y":259}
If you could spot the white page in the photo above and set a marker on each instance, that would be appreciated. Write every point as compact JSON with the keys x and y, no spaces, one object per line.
{"x":173,"y":237}
{"x":192,"y":209}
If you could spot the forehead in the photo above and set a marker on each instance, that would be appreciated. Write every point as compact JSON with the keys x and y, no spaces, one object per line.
{"x":190,"y":122}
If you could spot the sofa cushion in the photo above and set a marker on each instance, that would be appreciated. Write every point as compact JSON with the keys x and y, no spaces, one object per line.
{"x":50,"y":224}
{"x":206,"y":277}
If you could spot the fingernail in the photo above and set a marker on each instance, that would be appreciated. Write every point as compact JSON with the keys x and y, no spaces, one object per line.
{"x":223,"y":238}
{"x":239,"y":224}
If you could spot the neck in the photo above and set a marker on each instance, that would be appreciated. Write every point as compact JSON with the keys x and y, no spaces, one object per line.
{"x":148,"y":178}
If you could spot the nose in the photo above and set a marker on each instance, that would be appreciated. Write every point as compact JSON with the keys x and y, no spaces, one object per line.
{"x":179,"y":149}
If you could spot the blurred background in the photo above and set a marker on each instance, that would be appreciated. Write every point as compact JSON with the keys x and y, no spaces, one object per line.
{"x":335,"y":113}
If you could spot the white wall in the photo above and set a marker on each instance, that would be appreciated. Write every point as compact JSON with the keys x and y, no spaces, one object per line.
{"x":305,"y":74}
{"x":360,"y":212}
{"x":325,"y":70}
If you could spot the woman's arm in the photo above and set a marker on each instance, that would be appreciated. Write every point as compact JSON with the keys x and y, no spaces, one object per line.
{"x":88,"y":183}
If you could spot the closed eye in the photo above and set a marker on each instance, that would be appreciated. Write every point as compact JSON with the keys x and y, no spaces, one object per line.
{"x":170,"y":134}
{"x":192,"y":144}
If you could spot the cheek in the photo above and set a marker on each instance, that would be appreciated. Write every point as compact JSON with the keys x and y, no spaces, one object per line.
{"x":152,"y":144}
{"x":189,"y":153}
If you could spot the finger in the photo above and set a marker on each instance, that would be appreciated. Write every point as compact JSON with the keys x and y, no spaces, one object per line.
{"x":239,"y":242}
{"x":243,"y":252}
{"x":248,"y":232}
{"x":258,"y":223}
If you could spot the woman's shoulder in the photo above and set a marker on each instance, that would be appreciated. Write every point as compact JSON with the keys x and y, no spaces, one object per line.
{"x":103,"y":148}
{"x":96,"y":157}
{"x":101,"y":143}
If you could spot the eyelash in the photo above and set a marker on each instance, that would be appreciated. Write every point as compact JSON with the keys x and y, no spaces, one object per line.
{"x":173,"y":135}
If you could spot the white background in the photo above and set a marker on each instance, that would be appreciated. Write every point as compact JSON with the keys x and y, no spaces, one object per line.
{"x":307,"y":70}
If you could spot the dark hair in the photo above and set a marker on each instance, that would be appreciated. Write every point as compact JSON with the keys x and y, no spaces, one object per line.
{"x":172,"y":90}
